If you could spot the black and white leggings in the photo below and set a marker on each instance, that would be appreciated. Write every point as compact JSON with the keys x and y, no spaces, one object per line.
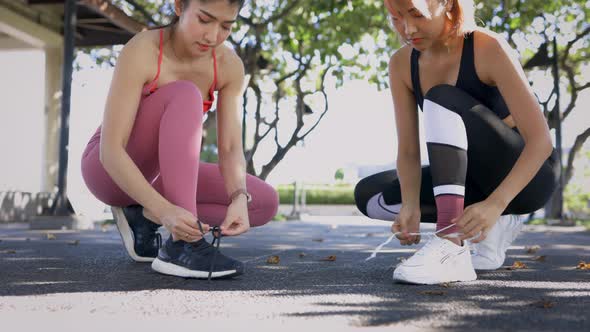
{"x":471,"y":150}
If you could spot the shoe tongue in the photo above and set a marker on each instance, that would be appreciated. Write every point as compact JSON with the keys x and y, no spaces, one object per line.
{"x":202,"y":244}
{"x":434,"y":241}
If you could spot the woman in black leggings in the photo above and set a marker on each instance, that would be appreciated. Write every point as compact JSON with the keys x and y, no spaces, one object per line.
{"x":488,"y":144}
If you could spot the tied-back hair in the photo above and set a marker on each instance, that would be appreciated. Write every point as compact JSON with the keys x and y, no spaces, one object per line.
{"x":462,"y":16}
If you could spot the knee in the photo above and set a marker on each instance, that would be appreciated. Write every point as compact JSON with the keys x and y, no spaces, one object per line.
{"x":442,"y":93}
{"x":450,"y":98}
{"x":186,"y":95}
{"x":187,"y":90}
{"x":361,"y":196}
{"x":264,"y":205}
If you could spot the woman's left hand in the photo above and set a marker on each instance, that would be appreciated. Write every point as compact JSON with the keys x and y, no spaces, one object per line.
{"x":236,"y":219}
{"x":478,"y":218}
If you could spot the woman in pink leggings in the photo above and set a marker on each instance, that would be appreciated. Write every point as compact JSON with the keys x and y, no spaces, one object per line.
{"x":144,"y":159}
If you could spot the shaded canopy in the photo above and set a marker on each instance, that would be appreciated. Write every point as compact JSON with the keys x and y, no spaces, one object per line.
{"x":98,"y":22}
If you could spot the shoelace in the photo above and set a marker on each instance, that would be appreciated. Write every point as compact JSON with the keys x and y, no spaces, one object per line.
{"x":216,"y":232}
{"x":451,"y":235}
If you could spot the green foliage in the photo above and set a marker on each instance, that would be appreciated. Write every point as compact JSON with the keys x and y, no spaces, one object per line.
{"x":209,"y":153}
{"x":279,"y":217}
{"x":319,"y":194}
{"x":352,"y":40}
{"x":339,"y":174}
{"x":576,"y":200}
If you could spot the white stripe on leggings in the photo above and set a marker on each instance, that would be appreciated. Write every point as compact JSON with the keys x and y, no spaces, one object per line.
{"x":449,"y":189}
{"x":378,"y":209}
{"x":443,"y":126}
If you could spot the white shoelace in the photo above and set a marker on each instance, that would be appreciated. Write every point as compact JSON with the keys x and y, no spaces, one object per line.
{"x":451,"y":235}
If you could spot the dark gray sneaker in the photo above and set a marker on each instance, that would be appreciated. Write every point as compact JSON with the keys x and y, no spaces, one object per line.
{"x":139,"y":234}
{"x":199,"y":260}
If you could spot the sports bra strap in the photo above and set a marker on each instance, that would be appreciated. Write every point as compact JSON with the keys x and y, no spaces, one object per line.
{"x":155,"y":81}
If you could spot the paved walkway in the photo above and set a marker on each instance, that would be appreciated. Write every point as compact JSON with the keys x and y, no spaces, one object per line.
{"x":83,"y":281}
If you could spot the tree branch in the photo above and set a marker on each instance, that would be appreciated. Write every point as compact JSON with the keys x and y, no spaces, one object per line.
{"x":282,"y":14}
{"x":143,"y":11}
{"x":571,"y":43}
{"x":323,"y":92}
{"x":579,"y":142}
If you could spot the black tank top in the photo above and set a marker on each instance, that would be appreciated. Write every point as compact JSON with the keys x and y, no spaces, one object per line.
{"x":467,"y":81}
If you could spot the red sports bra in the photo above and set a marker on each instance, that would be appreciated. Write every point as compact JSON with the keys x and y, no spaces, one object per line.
{"x":153,"y":85}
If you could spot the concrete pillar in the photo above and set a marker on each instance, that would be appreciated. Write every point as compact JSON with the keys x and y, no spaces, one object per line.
{"x":53,"y":82}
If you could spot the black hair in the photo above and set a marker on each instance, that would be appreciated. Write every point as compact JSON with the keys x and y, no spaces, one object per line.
{"x":185,"y":4}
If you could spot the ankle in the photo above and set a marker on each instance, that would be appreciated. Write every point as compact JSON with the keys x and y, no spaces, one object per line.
{"x":455,"y":240}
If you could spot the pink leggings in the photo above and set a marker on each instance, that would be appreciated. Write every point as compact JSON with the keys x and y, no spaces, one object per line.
{"x":165,"y":144}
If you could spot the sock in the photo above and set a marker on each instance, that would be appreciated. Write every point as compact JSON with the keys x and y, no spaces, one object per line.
{"x":447,"y":208}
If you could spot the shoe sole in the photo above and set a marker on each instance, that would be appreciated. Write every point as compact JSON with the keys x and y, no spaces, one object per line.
{"x":127,"y":235}
{"x":403,"y":280}
{"x":179,"y":271}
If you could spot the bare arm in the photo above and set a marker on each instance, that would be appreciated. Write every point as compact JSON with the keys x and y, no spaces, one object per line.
{"x":406,"y":120}
{"x":408,"y":156}
{"x":135,"y":67}
{"x":505,"y":71}
{"x":232,"y":163}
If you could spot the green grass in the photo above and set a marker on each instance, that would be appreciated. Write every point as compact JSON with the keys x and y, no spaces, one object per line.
{"x":579,"y":222}
{"x":585,"y":223}
{"x":279,"y":217}
{"x":537,"y":221}
{"x":320,"y":194}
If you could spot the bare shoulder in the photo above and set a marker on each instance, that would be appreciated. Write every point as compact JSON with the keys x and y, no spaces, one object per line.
{"x":490,"y":41}
{"x":490,"y":50}
{"x":143,"y":44}
{"x":140,"y":54}
{"x":489,"y":44}
{"x":399,"y":65}
{"x":230,"y":67}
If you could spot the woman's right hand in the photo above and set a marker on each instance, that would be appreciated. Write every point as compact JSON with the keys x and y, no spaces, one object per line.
{"x":407,"y":221}
{"x":182,"y":224}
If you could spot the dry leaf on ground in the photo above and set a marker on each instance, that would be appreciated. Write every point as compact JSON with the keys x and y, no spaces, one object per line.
{"x":50,"y":236}
{"x":74,"y":243}
{"x":583,"y":266}
{"x":532,"y":249}
{"x":302,"y":254}
{"x":546,"y":304}
{"x":433,"y":292}
{"x":540,"y":258}
{"x":518,"y":265}
{"x":8,"y":251}
{"x":273,"y":260}
{"x":330,"y":258}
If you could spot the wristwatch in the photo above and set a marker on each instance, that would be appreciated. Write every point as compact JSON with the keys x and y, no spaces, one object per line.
{"x":240,"y":192}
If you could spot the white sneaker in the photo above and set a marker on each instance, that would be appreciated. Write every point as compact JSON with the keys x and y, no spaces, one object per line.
{"x":438,"y":261}
{"x":490,"y":253}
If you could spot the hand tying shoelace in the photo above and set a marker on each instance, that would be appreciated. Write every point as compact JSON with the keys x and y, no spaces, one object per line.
{"x":451,"y":235}
{"x":216,"y":232}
